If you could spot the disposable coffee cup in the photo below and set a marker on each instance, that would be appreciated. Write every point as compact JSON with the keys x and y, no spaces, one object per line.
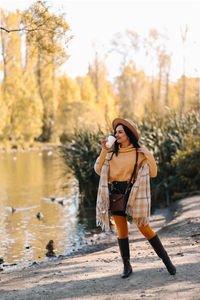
{"x":110,"y":141}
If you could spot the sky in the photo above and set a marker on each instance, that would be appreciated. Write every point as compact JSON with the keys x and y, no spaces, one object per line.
{"x":95,"y":23}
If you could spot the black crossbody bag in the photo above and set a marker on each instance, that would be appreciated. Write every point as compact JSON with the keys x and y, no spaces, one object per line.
{"x":118,"y":201}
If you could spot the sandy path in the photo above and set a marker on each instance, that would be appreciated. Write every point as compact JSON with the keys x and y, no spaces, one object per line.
{"x":97,"y":275}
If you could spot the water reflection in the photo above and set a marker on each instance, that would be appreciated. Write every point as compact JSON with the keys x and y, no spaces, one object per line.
{"x":30,"y":182}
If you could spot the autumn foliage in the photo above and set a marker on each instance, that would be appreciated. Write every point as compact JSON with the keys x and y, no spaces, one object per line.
{"x":39,"y":102}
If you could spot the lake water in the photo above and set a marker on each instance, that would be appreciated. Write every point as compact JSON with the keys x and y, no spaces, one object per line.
{"x":30,"y":183}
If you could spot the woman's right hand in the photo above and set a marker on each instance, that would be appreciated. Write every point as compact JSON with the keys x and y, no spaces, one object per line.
{"x":103,"y":143}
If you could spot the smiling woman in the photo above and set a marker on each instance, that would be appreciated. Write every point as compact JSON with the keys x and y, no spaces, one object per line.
{"x":121,"y":136}
{"x":124,"y":190}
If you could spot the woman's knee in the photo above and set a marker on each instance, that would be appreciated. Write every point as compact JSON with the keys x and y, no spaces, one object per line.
{"x":147,"y":231}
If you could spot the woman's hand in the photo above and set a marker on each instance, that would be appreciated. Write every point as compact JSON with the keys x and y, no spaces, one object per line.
{"x":103,"y":143}
{"x":143,"y":150}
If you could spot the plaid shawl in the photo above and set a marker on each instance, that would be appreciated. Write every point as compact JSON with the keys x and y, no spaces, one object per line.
{"x":102,"y":206}
{"x":139,"y":202}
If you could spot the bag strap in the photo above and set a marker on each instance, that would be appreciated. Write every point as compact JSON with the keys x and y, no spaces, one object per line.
{"x":133,"y":174}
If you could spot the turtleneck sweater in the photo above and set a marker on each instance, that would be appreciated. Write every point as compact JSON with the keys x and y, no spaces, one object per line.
{"x":121,"y":166}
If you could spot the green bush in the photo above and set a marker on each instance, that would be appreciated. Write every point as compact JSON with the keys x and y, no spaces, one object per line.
{"x":166,"y":137}
{"x":187,"y":165}
{"x":80,"y":155}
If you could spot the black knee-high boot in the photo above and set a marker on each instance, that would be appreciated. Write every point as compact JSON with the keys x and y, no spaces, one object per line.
{"x":125,"y":254}
{"x":161,"y":252}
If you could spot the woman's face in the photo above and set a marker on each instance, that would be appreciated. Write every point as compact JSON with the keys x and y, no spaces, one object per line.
{"x":120,"y":135}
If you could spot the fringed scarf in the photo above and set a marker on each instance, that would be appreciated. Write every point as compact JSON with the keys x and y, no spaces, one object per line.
{"x":102,"y":205}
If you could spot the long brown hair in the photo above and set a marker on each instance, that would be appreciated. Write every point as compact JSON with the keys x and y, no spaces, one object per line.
{"x":132,"y":138}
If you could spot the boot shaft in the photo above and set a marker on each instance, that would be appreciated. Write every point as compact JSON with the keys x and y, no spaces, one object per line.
{"x":157,"y":246}
{"x":124,"y":248}
{"x":125,"y":254}
{"x":162,"y":253}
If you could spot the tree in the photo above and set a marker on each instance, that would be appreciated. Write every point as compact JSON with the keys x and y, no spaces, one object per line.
{"x":105,"y":98}
{"x":19,"y":90}
{"x":70,"y":106}
{"x":132,"y":88}
{"x":155,"y":46}
{"x":4,"y":116}
{"x":98,"y":72}
{"x":48,"y":46}
{"x":88,"y":91}
{"x":184,"y":38}
{"x":127,"y":45}
{"x":11,"y":68}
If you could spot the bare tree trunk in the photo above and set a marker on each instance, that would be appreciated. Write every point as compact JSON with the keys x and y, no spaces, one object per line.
{"x":152,"y":90}
{"x":167,"y":89}
{"x":183,"y":93}
{"x":184,"y":37}
{"x":45,"y":128}
{"x":159,"y":85}
{"x":97,"y":77}
{"x":197,"y":93}
{"x":4,"y":59}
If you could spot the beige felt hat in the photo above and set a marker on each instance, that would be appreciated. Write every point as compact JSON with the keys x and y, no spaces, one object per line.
{"x":130,"y":124}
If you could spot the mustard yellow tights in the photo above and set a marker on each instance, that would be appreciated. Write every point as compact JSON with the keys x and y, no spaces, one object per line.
{"x":122,"y":228}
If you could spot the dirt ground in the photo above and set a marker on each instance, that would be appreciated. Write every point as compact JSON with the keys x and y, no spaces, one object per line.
{"x":96,"y":275}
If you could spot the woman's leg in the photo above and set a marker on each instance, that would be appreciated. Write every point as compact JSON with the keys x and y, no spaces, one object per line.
{"x":147,"y":231}
{"x":155,"y":242}
{"x":122,"y":228}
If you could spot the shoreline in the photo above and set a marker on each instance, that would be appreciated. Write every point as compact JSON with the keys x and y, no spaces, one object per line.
{"x":40,"y":147}
{"x":96,"y":275}
{"x":93,"y":242}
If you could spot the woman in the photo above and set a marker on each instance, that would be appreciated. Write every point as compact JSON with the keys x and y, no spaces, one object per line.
{"x":115,"y":169}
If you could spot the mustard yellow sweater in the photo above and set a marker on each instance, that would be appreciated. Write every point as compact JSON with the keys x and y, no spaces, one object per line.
{"x":121,"y":166}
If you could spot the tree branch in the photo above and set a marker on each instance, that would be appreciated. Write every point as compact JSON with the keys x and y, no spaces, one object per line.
{"x":22,"y":29}
{"x":26,"y":28}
